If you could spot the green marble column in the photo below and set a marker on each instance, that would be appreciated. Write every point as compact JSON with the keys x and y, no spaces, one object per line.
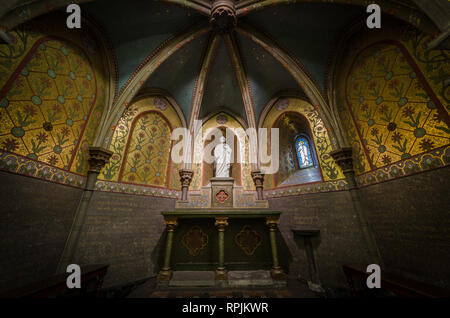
{"x":277,"y":272}
{"x":165,"y":273}
{"x":221,"y":223}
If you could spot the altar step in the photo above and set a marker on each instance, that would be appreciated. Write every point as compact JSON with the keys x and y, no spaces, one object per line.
{"x":257,"y":278}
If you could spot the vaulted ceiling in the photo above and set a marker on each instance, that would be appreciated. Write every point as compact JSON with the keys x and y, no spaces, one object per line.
{"x":137,"y":28}
{"x":306,"y":30}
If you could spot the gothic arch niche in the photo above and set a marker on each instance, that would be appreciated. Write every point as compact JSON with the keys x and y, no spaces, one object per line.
{"x":294,"y":127}
{"x":295,"y":116}
{"x":208,"y":168}
{"x":147,"y":155}
{"x":240,"y":171}
{"x":142,"y":145}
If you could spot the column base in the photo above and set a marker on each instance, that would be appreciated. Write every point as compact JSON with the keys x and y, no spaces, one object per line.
{"x":221,"y":274}
{"x":277,"y":273}
{"x":164,"y":276}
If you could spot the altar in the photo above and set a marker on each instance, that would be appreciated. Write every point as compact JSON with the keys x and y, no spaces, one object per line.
{"x":222,"y":227}
{"x":221,"y":240}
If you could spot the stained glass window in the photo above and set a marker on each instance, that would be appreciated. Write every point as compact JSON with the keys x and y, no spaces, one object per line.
{"x":303,"y":152}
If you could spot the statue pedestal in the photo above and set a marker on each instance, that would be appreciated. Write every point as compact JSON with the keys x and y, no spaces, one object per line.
{"x":222,"y":192}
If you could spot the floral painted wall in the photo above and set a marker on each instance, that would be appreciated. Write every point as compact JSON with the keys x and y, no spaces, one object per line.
{"x":393,"y":101}
{"x":52,"y":94}
{"x":141,"y":146}
{"x":330,"y":170}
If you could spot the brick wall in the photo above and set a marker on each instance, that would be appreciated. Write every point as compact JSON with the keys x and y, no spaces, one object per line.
{"x":340,"y":240}
{"x":410,"y":217}
{"x":35,"y":220}
{"x":124,"y":231}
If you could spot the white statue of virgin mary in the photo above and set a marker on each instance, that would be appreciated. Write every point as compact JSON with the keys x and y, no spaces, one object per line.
{"x":222,"y":158}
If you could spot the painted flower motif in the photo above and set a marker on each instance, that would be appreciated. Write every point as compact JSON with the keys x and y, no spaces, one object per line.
{"x":438,"y":118}
{"x":374,"y":131}
{"x":141,"y":135}
{"x":137,"y":155}
{"x":59,"y":57}
{"x":56,"y":108}
{"x":131,"y":178}
{"x":68,"y":83}
{"x":86,"y":84}
{"x":372,"y":85}
{"x":30,"y":110}
{"x":10,"y":144}
{"x":283,"y":104}
{"x":418,"y":85}
{"x":45,"y":82}
{"x":115,"y":157}
{"x":160,"y":104}
{"x":65,"y":131}
{"x":150,"y":147}
{"x":426,"y":144}
{"x":146,"y":169}
{"x":222,"y":119}
{"x":384,"y":109}
{"x":19,"y":82}
{"x":153,"y":129}
{"x":76,"y":106}
{"x":53,"y":160}
{"x":408,"y":111}
{"x":364,"y":107}
{"x":393,"y":84}
{"x":397,"y":137}
{"x":42,"y":137}
{"x":386,"y":159}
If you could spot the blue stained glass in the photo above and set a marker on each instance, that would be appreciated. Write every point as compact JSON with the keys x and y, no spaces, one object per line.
{"x":303,"y":152}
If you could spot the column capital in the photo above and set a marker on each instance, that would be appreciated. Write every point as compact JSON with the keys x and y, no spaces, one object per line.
{"x":343,"y":158}
{"x":186,"y":177}
{"x":272,"y":222}
{"x":171,"y":223}
{"x":221,"y":222}
{"x":258,"y":178}
{"x":98,"y":157}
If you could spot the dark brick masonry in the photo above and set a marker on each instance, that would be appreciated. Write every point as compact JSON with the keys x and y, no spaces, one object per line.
{"x":35,"y":220}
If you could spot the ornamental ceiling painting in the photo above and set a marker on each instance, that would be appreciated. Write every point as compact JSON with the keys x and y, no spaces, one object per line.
{"x":52,"y":95}
{"x":394,"y":103}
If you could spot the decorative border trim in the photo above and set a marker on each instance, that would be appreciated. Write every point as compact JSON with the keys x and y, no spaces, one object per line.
{"x":307,"y":188}
{"x":119,"y":187}
{"x":32,"y":168}
{"x":437,"y":158}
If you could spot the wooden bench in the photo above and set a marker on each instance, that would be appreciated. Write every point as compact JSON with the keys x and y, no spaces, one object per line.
{"x":55,"y":286}
{"x":395,"y":284}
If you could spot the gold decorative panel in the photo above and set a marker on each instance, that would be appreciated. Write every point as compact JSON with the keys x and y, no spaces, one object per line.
{"x":248,"y":240}
{"x":195,"y":240}
{"x":396,"y":103}
{"x":141,"y":145}
{"x":51,"y":95}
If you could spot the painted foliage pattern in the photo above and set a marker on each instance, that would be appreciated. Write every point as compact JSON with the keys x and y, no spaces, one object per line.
{"x":397,"y":104}
{"x":141,"y":145}
{"x":330,"y":170}
{"x":51,"y":96}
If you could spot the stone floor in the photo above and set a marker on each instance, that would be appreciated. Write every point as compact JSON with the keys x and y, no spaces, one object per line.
{"x":294,"y":289}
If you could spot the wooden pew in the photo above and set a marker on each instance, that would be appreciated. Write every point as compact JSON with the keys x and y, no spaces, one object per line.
{"x":395,"y":284}
{"x":55,"y":286}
